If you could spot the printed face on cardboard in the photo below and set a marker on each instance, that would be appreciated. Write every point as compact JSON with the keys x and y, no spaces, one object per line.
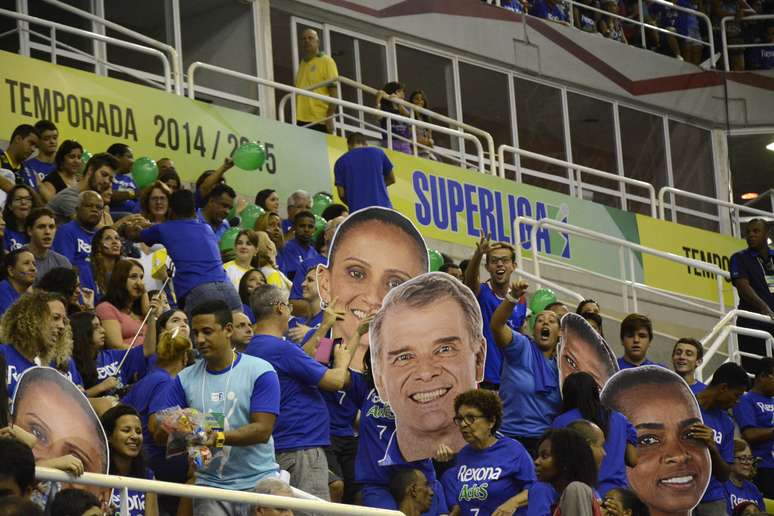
{"x":373,"y":251}
{"x":581,"y":348}
{"x":673,"y":468}
{"x":427,"y":347}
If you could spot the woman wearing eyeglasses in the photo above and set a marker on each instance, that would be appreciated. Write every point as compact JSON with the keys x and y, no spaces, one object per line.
{"x":492,"y":472}
{"x":738,"y":487}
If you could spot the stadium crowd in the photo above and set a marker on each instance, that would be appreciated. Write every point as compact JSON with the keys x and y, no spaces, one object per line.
{"x":152,"y":298}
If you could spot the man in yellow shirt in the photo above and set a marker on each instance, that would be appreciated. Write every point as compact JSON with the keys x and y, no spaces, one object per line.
{"x":315,"y":68}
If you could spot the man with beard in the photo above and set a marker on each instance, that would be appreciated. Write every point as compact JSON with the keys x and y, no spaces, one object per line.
{"x":100,"y":170}
{"x":500,"y":264}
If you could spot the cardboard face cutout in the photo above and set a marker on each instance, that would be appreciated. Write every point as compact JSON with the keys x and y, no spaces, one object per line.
{"x":427,"y":346}
{"x":53,"y":409}
{"x":673,"y":469}
{"x":373,"y":251}
{"x":581,"y":348}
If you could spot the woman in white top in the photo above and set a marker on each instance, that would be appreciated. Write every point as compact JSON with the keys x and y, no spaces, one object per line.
{"x":246,"y":250}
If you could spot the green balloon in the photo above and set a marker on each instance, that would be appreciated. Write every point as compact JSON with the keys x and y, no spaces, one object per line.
{"x":228,"y":240}
{"x":320,"y":202}
{"x":250,"y":156}
{"x":541,"y":299}
{"x":436,"y":259}
{"x":144,"y":172}
{"x":233,"y":211}
{"x":319,"y":225}
{"x":85,"y":157}
{"x":249,"y":215}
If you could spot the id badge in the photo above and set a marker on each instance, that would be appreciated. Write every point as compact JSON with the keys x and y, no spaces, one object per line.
{"x":214,"y":421}
{"x":770,"y":282}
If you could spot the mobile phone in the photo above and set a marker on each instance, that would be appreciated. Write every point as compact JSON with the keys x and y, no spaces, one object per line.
{"x":324,"y":353}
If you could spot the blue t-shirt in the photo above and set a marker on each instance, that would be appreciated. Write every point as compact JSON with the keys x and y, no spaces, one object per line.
{"x":488,"y":302}
{"x":378,"y":494}
{"x":292,"y":256}
{"x":313,"y":323}
{"x":542,"y":498}
{"x":755,"y":410}
{"x":625,"y":364}
{"x":342,"y":411}
{"x":124,"y":183}
{"x":620,"y":432}
{"x":541,"y":9}
{"x":751,"y":265}
{"x":248,"y":312}
{"x":222,"y":228}
{"x":526,"y":413}
{"x":139,"y":397}
{"x":748,"y":492}
{"x":248,"y":386}
{"x":303,"y":418}
{"x":482,"y":480}
{"x":134,"y":367}
{"x":362,"y":173}
{"x":697,"y":386}
{"x":74,"y":243}
{"x":8,"y":295}
{"x":723,"y":428}
{"x":16,"y":364}
{"x":72,"y":373}
{"x":14,"y":239}
{"x":763,"y":57}
{"x":135,"y":499}
{"x":40,"y":168}
{"x":194,"y":264}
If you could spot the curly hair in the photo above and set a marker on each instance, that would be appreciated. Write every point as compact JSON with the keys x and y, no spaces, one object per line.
{"x":145,"y":197}
{"x":172,"y":347}
{"x":22,"y":327}
{"x":97,"y":260}
{"x":487,"y":402}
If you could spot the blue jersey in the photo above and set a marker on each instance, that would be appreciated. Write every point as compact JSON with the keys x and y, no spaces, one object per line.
{"x":620,"y":432}
{"x":697,"y":386}
{"x":625,"y":364}
{"x":134,"y":367}
{"x":303,"y":417}
{"x":747,"y":492}
{"x":755,"y":410}
{"x":377,"y":423}
{"x":13,"y":239}
{"x":482,"y":480}
{"x":74,"y":243}
{"x":136,"y":499}
{"x":139,"y":397}
{"x":194,"y":264}
{"x":723,"y":428}
{"x":362,"y":173}
{"x":16,"y":364}
{"x":220,"y":230}
{"x":488,"y":302}
{"x":40,"y":168}
{"x":528,"y":407}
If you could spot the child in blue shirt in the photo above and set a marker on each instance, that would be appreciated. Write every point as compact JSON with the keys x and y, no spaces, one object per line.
{"x":738,"y":487}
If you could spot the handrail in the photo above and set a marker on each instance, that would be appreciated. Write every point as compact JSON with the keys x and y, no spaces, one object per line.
{"x":211,"y":493}
{"x":176,"y":60}
{"x":691,"y":195}
{"x":579,"y":168}
{"x":98,"y":37}
{"x":556,"y":286}
{"x":733,"y":352}
{"x":332,"y":100}
{"x":732,"y":315}
{"x":408,"y":105}
{"x":724,"y":38}
{"x":535,"y":224}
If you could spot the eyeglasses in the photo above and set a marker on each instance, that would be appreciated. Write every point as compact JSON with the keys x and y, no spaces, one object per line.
{"x":469,"y":419}
{"x":747,"y":460}
{"x":501,"y":260}
{"x":23,"y":200}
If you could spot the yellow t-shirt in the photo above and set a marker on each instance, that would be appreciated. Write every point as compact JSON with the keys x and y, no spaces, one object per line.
{"x":314,"y":71}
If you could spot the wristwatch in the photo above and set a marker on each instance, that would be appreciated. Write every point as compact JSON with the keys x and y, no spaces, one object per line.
{"x":220,"y":439}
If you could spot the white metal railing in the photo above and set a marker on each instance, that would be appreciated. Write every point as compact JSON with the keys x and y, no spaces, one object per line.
{"x":733,"y":207}
{"x":174,"y":55}
{"x":724,"y":36}
{"x":189,"y":491}
{"x":54,"y":26}
{"x":768,"y":195}
{"x":412,"y":108}
{"x":575,"y":174}
{"x":725,"y":331}
{"x":332,"y":100}
{"x":627,"y":274}
{"x":643,"y":25}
